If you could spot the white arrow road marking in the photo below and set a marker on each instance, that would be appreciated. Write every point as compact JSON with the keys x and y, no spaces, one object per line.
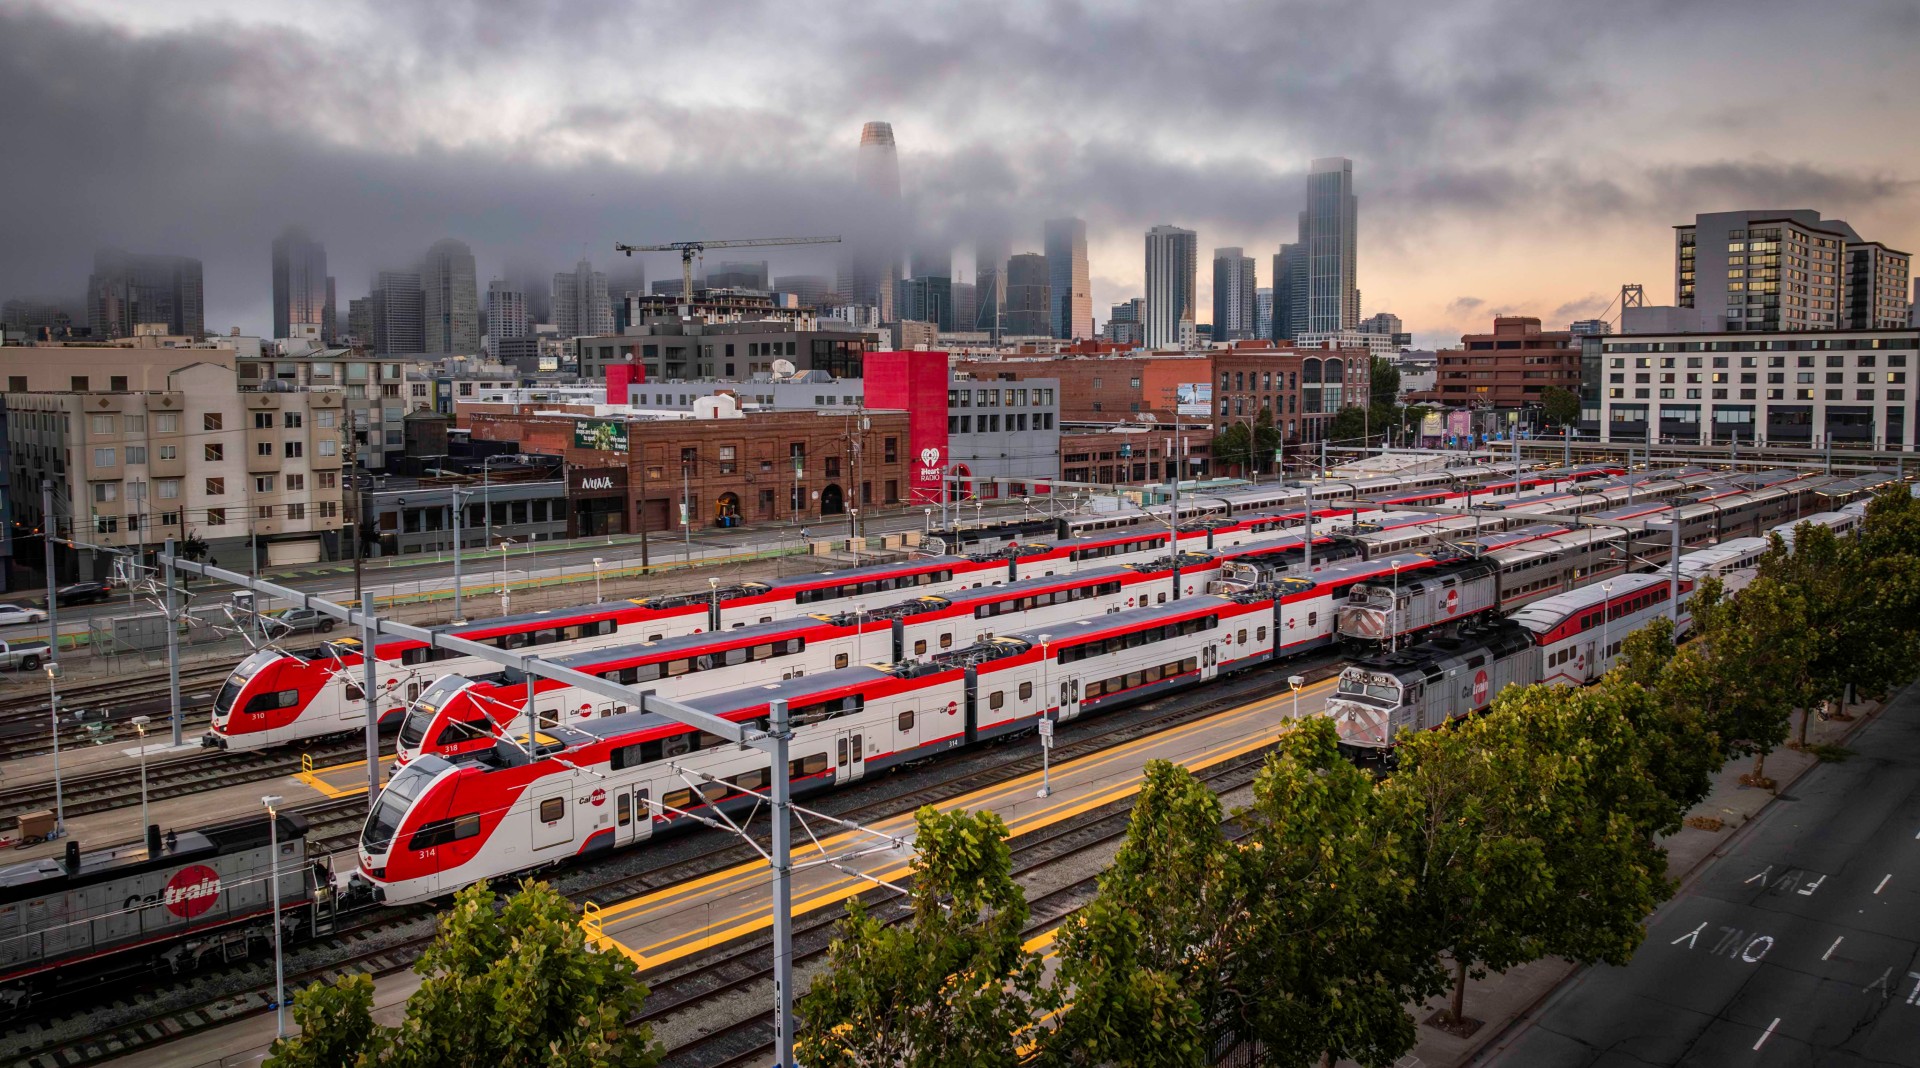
{"x":1691,"y":938}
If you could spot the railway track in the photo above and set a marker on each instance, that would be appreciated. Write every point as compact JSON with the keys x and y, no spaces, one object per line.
{"x":89,"y":709}
{"x":102,"y":791}
{"x":389,"y":940}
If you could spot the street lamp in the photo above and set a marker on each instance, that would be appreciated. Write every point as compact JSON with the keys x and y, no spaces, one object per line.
{"x":53,"y":714}
{"x":1606,"y":616}
{"x":279,"y":964}
{"x":597,"y":599}
{"x":1393,"y":613}
{"x":1046,"y":724}
{"x":1296,"y":681}
{"x":853,"y":522}
{"x":713,"y":603}
{"x":927,"y":526}
{"x":506,"y":598}
{"x":140,"y":724}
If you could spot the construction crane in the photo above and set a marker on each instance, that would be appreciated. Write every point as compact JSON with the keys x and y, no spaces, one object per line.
{"x":689,"y":249}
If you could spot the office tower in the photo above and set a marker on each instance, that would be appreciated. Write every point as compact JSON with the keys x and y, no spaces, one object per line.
{"x":965,"y":313}
{"x":925,"y":300}
{"x":990,"y":284}
{"x":872,"y":264}
{"x":330,"y":318}
{"x":1263,"y":313}
{"x":36,"y":316}
{"x":1171,"y":255}
{"x":744,"y":275}
{"x":1327,"y":230}
{"x":1127,"y":322}
{"x":361,"y":316}
{"x":154,"y":292}
{"x":1731,"y":265}
{"x":1027,"y":311}
{"x":932,"y":258}
{"x":1290,"y":290}
{"x":506,"y":313}
{"x":300,"y":295}
{"x":450,"y":309}
{"x":1071,"y":313}
{"x":532,"y":279}
{"x":581,"y":307}
{"x":1233,"y":296}
{"x":808,"y":290}
{"x":397,"y":314}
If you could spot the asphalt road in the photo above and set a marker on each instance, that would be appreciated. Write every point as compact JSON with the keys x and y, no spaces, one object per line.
{"x":1799,"y":946}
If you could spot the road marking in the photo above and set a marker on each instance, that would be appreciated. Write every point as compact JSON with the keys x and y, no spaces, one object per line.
{"x":1883,"y":882}
{"x":1691,"y":938}
{"x":1762,"y":876}
{"x":1831,"y":948}
{"x":1768,"y":1034}
{"x":1812,"y":886}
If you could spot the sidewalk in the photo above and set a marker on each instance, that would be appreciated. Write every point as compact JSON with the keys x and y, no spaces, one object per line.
{"x":1499,"y":1000}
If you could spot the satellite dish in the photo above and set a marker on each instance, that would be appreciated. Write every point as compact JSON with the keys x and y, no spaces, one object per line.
{"x":783,"y":368}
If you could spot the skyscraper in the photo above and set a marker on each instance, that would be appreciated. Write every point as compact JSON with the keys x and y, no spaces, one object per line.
{"x":581,"y":307}
{"x":531,"y":279}
{"x":1327,"y":230}
{"x":1070,"y":313}
{"x":506,"y":313}
{"x":872,"y":264}
{"x":1171,"y":254}
{"x":397,"y":314}
{"x":129,"y":289}
{"x":1026,"y":313}
{"x":927,"y":300}
{"x":1290,"y":290}
{"x":990,"y":284}
{"x":1233,"y":298}
{"x":299,"y":284}
{"x":810,"y":290}
{"x":965,"y":312}
{"x":451,"y":305}
{"x":1263,"y":313}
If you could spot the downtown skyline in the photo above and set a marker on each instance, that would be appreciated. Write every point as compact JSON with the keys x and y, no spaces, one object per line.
{"x":1536,"y":187}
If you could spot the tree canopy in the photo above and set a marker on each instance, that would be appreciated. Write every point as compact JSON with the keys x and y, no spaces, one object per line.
{"x":1560,"y":406}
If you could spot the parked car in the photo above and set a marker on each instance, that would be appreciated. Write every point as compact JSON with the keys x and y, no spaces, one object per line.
{"x":19,"y":613}
{"x":84,"y":593}
{"x":300,"y":621}
{"x":24,"y":656}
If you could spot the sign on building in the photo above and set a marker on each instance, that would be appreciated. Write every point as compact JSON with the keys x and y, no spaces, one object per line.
{"x":602,"y":434}
{"x":1193,"y":398}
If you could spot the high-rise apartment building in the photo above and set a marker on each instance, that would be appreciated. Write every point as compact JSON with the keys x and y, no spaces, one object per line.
{"x":450,"y":309}
{"x":1071,"y":310}
{"x":927,"y":299}
{"x":1786,"y":270}
{"x":1234,"y":303}
{"x":965,"y":305}
{"x":1327,"y":230}
{"x":1028,"y":296}
{"x":300,"y":296}
{"x":506,"y":314}
{"x":581,"y":307}
{"x":1171,"y":254}
{"x":397,"y":314}
{"x":872,"y":264}
{"x":990,"y":284}
{"x":531,"y":278}
{"x":1263,"y":312}
{"x":157,"y":292}
{"x":1290,"y":290}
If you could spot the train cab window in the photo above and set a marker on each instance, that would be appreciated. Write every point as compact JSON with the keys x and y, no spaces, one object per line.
{"x":552,"y":809}
{"x":267,"y":702}
{"x":920,"y":647}
{"x":906,"y":720}
{"x":839,"y":660}
{"x":997,"y":699}
{"x":1026,"y":690}
{"x":354,"y":692}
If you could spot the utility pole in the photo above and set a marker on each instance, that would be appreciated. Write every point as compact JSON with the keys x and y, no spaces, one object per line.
{"x":459,"y":506}
{"x":640,"y":514}
{"x":350,"y":426}
{"x":779,"y":734}
{"x":686,"y":507}
{"x":370,"y":672}
{"x":174,"y":710}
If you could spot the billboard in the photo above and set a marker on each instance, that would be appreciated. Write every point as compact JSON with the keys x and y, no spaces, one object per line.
{"x":1430,"y":425}
{"x":1193,"y":398}
{"x":603,"y":435}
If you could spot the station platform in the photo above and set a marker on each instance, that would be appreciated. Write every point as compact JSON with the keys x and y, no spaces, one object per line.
{"x":716,"y":910}
{"x":118,"y":752}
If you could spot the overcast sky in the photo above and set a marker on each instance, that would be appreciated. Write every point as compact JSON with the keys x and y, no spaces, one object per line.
{"x":1523,"y":156}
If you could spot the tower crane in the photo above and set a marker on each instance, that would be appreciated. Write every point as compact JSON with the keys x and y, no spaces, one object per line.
{"x":689,"y":249}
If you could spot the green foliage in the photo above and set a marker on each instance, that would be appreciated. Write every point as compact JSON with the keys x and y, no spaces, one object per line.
{"x":1683,"y":750}
{"x":192,"y":547}
{"x":953,"y":984}
{"x":1384,"y":391}
{"x":515,"y":985}
{"x":1560,"y":406}
{"x":1354,"y":425}
{"x":1233,"y":442}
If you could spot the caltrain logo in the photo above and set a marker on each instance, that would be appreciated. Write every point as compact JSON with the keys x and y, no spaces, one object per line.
{"x":192,"y":891}
{"x":1480,"y":687}
{"x":599,"y":798}
{"x":1453,"y":601}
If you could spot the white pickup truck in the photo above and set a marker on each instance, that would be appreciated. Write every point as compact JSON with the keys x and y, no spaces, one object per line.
{"x":24,"y":656}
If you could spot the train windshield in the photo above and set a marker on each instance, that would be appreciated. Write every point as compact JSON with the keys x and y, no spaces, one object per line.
{"x":1376,"y":687}
{"x":402,"y":790}
{"x":247,"y":669}
{"x":413,"y":730}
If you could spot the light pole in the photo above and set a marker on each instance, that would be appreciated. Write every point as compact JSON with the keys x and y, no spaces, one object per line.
{"x":53,"y":714}
{"x":1606,"y":617}
{"x":713,"y":603}
{"x":459,"y":506}
{"x":506,"y":599}
{"x":597,"y":599}
{"x":927,"y":526}
{"x":140,"y":724}
{"x":1296,"y":681}
{"x":1046,"y":724}
{"x":279,"y":963}
{"x":1393,"y":613}
{"x":853,"y":522}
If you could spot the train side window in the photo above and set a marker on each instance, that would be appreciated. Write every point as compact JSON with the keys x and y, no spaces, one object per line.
{"x":998,"y":698}
{"x":750,"y":780}
{"x":906,"y":720}
{"x":623,"y":809}
{"x":1242,"y":636}
{"x":1260,"y":635}
{"x":552,"y":809}
{"x":1313,"y":619}
{"x":839,"y":660}
{"x":678,"y":799}
{"x":840,"y":753}
{"x":946,"y":641}
{"x":354,"y":692}
{"x":920,"y":647}
{"x":1026,"y":690}
{"x":805,"y":766}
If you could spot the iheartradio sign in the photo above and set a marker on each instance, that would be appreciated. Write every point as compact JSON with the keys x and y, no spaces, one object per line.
{"x":193,"y":890}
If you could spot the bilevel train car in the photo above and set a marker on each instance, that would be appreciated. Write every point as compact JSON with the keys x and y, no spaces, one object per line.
{"x":441,"y":824}
{"x":461,"y":714}
{"x":1571,"y":639}
{"x":1456,"y":592}
{"x":172,"y":904}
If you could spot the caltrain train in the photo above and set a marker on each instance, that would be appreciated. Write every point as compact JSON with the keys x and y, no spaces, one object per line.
{"x":1571,"y":638}
{"x":173,"y":902}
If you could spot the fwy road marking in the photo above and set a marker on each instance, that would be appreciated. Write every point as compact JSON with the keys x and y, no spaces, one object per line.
{"x":1768,"y":1034}
{"x":1789,"y":881}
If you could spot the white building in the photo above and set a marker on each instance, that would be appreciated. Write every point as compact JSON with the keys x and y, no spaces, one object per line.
{"x":581,"y":306}
{"x":1170,"y":285}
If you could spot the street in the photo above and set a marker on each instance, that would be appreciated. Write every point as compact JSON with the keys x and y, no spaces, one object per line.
{"x":1796,"y":947}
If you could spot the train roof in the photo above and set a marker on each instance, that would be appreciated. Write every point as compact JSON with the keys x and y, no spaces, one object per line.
{"x":1360,"y":570}
{"x":1493,"y":541}
{"x":1092,"y":626}
{"x":49,"y":875}
{"x":1549,"y":612}
{"x":1438,"y":656}
{"x":1438,"y":573}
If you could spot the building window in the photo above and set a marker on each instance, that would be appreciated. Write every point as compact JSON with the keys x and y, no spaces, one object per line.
{"x":263,"y":483}
{"x":294,"y":420}
{"x":296,"y":511}
{"x":263,"y":420}
{"x":105,"y":492}
{"x":103,"y":457}
{"x":891,"y":450}
{"x":100,"y":424}
{"x":329,"y":509}
{"x":264,"y":448}
{"x":265,"y":511}
{"x":295,"y":449}
{"x":325,"y":419}
{"x":327,"y":479}
{"x":211,"y":421}
{"x":216,"y":487}
{"x":136,"y":454}
{"x":77,"y":384}
{"x":216,"y":517}
{"x":167,"y":489}
{"x":327,"y":447}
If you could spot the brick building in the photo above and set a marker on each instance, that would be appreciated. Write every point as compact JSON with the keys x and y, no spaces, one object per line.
{"x":758,"y":467}
{"x":1506,"y":369}
{"x":1135,"y":453}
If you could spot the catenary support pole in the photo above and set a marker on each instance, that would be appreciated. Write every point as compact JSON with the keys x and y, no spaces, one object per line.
{"x":1308,"y":542}
{"x":783,"y":1023}
{"x":49,"y":529}
{"x":1673,"y":582}
{"x":369,"y":681}
{"x":174,"y":712}
{"x":458,"y":547}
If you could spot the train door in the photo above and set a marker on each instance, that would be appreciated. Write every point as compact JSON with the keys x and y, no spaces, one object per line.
{"x":1589,"y":650}
{"x":1209,"y":661}
{"x":1069,"y":699}
{"x":632,"y":814}
{"x":849,"y":756}
{"x":552,"y":818}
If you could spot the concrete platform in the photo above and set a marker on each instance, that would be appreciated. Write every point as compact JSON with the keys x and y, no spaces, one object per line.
{"x":121,"y":752}
{"x":725,"y":906}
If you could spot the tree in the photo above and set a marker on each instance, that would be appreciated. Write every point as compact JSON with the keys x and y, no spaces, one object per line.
{"x":1354,"y":425}
{"x":1683,"y":751}
{"x":1148,"y":962}
{"x":1759,"y":650}
{"x":1251,"y":446}
{"x":1560,"y":406}
{"x":515,"y":985}
{"x":952,"y":984}
{"x":1325,"y":971}
{"x":1385,"y":389}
